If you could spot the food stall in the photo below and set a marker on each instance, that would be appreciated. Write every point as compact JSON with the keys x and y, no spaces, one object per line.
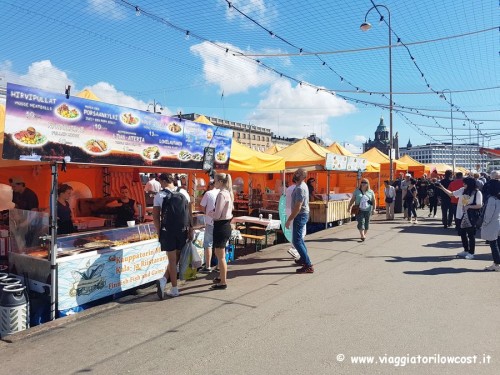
{"x":47,"y":135}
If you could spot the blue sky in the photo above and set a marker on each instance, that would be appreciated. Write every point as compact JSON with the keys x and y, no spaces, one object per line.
{"x":131,"y":53}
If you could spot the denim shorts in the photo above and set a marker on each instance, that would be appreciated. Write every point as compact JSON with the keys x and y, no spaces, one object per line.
{"x":208,"y":238}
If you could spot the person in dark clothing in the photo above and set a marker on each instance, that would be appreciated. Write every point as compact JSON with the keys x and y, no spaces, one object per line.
{"x":446,"y":212}
{"x":432,"y":195}
{"x":421,"y":186}
{"x":64,"y":217}
{"x":411,"y":201}
{"x":124,"y":208}
{"x":24,"y":198}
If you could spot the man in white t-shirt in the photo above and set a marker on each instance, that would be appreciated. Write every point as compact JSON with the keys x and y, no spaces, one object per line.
{"x":288,"y":210}
{"x":152,"y":186}
{"x":208,"y":204}
{"x":173,"y":240}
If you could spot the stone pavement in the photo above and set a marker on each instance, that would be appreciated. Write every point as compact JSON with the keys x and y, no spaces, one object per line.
{"x":399,"y":299}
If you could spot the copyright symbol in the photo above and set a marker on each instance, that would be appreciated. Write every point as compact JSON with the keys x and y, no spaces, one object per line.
{"x":340,"y":357}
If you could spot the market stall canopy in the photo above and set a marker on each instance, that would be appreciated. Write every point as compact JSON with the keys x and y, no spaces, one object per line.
{"x":303,"y":153}
{"x":244,"y":159}
{"x":440,"y":168}
{"x":415,"y":166}
{"x":87,"y":94}
{"x":202,"y":120}
{"x":377,"y":156}
{"x":273,"y":149}
{"x":337,"y":148}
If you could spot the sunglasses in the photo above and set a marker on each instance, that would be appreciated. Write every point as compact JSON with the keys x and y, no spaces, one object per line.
{"x":364,"y":183}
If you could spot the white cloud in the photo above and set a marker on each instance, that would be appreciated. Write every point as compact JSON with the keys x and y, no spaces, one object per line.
{"x":232,"y":74}
{"x":107,"y":9}
{"x":360,"y":138}
{"x":41,"y":74}
{"x":44,"y":75}
{"x":353,"y":148}
{"x":297,"y":111}
{"x":256,"y":9}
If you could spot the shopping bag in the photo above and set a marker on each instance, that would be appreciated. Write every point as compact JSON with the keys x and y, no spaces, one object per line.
{"x":195,"y":257}
{"x":184,"y":261}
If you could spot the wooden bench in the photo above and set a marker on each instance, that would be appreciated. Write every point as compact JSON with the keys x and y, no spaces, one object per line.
{"x":257,"y":239}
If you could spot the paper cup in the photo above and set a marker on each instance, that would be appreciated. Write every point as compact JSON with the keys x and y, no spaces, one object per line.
{"x":131,"y":223}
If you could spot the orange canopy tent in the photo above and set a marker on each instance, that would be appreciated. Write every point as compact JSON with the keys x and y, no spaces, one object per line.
{"x":245,"y":159}
{"x":304,"y":153}
{"x":414,"y":166}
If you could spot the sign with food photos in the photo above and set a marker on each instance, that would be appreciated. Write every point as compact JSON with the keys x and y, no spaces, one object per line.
{"x":335,"y":162}
{"x":46,"y":126}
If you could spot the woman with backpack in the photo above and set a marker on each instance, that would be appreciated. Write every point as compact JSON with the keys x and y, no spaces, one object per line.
{"x":490,"y":229}
{"x":222,"y":215}
{"x":363,"y":199}
{"x":469,"y":199}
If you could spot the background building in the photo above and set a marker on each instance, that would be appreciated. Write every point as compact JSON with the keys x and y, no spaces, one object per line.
{"x":466,"y":155}
{"x":381,"y":140}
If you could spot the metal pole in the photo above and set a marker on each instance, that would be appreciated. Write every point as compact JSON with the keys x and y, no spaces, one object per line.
{"x":453,"y":160}
{"x":53,"y":249}
{"x":390,"y":97}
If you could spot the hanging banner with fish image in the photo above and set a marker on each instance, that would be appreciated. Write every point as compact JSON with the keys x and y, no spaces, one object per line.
{"x":83,"y":279}
{"x":45,"y":126}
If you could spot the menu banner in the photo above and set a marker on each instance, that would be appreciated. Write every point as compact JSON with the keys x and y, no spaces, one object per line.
{"x":45,"y":126}
{"x":335,"y":162}
{"x":354,"y":164}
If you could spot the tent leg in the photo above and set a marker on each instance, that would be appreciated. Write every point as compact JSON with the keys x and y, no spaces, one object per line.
{"x":53,"y":234}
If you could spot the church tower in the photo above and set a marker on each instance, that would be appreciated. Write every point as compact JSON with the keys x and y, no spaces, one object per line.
{"x":381,"y":140}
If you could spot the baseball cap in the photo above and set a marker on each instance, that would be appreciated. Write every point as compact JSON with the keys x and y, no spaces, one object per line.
{"x":17,"y":180}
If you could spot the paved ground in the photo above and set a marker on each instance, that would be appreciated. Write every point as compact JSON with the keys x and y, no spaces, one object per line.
{"x":399,"y":297}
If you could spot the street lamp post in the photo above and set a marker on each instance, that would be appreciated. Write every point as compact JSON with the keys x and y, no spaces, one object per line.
{"x":365,"y":26}
{"x":154,"y":105}
{"x":451,"y":119}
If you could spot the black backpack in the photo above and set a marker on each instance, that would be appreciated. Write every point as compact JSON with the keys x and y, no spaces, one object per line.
{"x":175,"y":213}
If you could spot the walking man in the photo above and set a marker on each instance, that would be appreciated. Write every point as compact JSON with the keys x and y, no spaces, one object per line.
{"x":299,"y":217}
{"x":446,"y":211}
{"x":173,"y":222}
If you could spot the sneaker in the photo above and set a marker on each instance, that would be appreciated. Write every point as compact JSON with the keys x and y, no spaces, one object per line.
{"x":429,"y":215}
{"x":462,"y":254}
{"x":493,"y":267}
{"x":433,"y":216}
{"x":160,"y":288}
{"x":305,"y":269}
{"x":174,"y":292}
{"x":415,"y":222}
{"x":469,"y":256}
{"x":293,"y":253}
{"x":206,"y":270}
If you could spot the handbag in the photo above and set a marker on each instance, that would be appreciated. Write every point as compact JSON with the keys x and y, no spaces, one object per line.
{"x":355,"y":209}
{"x":470,"y":220}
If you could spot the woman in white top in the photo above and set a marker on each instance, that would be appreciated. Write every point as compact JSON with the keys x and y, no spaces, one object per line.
{"x":490,"y":229}
{"x":390,"y":196}
{"x":469,"y":198}
{"x":222,"y":215}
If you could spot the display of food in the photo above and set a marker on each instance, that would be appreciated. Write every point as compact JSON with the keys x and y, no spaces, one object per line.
{"x":221,"y":157}
{"x":197,"y":157}
{"x":67,"y":112}
{"x":96,"y":146}
{"x":184,"y":155}
{"x":30,"y":137}
{"x":151,"y":153}
{"x":129,"y":119}
{"x":174,"y":127}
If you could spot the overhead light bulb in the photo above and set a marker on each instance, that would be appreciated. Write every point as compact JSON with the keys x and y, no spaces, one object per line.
{"x":137,"y":11}
{"x":187,"y":34}
{"x":365,"y":26}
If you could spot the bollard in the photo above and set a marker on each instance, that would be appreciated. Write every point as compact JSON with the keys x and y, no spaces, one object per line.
{"x":14,"y":315}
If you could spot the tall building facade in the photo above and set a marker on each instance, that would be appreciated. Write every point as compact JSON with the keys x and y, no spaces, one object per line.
{"x":466,"y":155}
{"x":382,"y":140}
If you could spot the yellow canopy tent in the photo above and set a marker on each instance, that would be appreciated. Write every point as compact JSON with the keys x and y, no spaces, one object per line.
{"x":374,"y":154}
{"x":245,"y":159}
{"x":440,"y":168}
{"x":202,"y":120}
{"x":273,"y":149}
{"x":87,"y":94}
{"x":303,"y":153}
{"x":414,"y":166}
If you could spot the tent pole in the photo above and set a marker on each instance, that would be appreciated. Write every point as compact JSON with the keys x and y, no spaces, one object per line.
{"x":53,"y":234}
{"x":327,"y":197}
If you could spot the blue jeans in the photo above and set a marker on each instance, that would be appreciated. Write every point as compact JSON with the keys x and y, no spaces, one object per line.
{"x":299,"y":225}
